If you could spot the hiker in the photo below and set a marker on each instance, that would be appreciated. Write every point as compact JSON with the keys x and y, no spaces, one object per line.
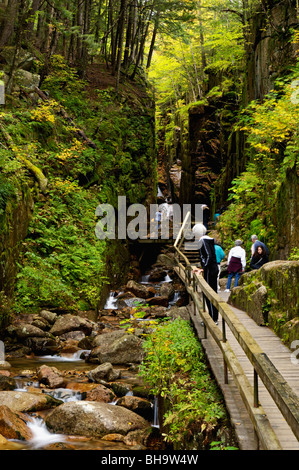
{"x":259,"y":258}
{"x":219,"y":257}
{"x":236,"y":264}
{"x":209,"y":265}
{"x":158,"y":217}
{"x":255,"y":243}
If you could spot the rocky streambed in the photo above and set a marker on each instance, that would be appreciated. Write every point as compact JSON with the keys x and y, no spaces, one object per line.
{"x":70,"y":381}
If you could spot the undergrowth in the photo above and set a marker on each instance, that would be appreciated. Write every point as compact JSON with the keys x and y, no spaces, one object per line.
{"x":175,"y":369}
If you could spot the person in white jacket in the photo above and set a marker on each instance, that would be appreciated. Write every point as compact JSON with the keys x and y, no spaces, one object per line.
{"x":236,"y":263}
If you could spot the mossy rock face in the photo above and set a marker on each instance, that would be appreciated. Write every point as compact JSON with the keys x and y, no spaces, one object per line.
{"x":282,"y":277}
{"x":270,"y":296}
{"x":251,"y":298}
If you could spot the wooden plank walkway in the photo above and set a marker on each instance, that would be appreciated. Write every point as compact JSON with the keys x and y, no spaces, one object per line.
{"x":280,"y":356}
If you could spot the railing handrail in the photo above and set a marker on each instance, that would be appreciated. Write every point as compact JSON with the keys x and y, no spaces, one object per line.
{"x":283,"y":395}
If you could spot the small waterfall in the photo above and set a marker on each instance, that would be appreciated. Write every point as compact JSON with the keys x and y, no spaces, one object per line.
{"x":76,"y":356}
{"x":155,"y":423}
{"x":65,"y":394}
{"x":111,"y":302}
{"x":41,"y":436}
{"x":22,"y":384}
{"x":145,"y":279}
{"x":175,"y":298}
{"x":167,"y":278}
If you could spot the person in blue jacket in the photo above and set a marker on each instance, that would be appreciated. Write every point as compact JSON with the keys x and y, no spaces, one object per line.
{"x":219,"y":257}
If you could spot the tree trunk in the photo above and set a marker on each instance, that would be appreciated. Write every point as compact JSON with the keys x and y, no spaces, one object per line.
{"x":8,"y":22}
{"x":121,"y":28}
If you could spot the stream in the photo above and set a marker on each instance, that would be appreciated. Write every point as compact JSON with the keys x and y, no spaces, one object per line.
{"x":72,"y":364}
{"x":42,"y":438}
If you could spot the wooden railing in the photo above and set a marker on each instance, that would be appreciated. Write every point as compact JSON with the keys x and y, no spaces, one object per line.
{"x":284,"y":397}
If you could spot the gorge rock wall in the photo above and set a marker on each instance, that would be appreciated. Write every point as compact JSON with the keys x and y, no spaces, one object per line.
{"x":270,"y":296}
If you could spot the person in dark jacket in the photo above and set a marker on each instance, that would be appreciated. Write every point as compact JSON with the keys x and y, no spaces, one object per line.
{"x":236,"y":263}
{"x":259,"y":258}
{"x":209,"y":265}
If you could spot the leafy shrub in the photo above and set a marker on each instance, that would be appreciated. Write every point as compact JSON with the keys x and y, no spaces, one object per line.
{"x":175,"y":368}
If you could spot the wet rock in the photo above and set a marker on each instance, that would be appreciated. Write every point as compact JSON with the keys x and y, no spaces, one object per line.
{"x":139,"y":405}
{"x":69,"y":348}
{"x":26,"y":330}
{"x":166,"y":260}
{"x":158,"y":300}
{"x":119,"y":388}
{"x":94,"y":419}
{"x":101,"y":393}
{"x":157,"y":275}
{"x":3,"y":441}
{"x":140,"y":290}
{"x":104,"y":372}
{"x":68,"y":322}
{"x":50,"y":317}
{"x":116,"y":347}
{"x":42,"y":346}
{"x":167,"y":290}
{"x":132,"y":302}
{"x":50,"y":376}
{"x":73,"y":335}
{"x":13,"y":425}
{"x":86,"y":342}
{"x":41,"y":323}
{"x":179,"y":312}
{"x":26,"y":402}
{"x":138,"y":438}
{"x":7,"y":383}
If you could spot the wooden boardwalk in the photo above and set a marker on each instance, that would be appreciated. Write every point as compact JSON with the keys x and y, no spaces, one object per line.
{"x":280,"y":356}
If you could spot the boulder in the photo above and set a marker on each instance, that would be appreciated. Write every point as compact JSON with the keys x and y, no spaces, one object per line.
{"x":158,"y":300}
{"x":167,"y":290}
{"x":42,"y":346}
{"x":50,"y":317}
{"x":100,"y":393}
{"x":179,"y":312}
{"x":103,"y":372}
{"x":141,"y":406}
{"x":166,"y":260}
{"x":68,"y":322}
{"x":27,"y":330}
{"x":50,"y":376}
{"x":116,"y":347}
{"x":73,"y":335}
{"x":93,"y":419}
{"x":13,"y":425}
{"x":26,"y":79}
{"x":157,"y":275}
{"x":140,"y":290}
{"x":26,"y":402}
{"x":7,"y":383}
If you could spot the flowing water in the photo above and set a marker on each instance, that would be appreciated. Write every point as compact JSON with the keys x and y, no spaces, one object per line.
{"x":41,"y":436}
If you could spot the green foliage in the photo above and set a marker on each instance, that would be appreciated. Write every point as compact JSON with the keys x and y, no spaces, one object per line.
{"x":62,"y":80}
{"x":272,"y":137}
{"x":6,"y":192}
{"x":63,"y":262}
{"x":174,"y":368}
{"x":294,"y":256}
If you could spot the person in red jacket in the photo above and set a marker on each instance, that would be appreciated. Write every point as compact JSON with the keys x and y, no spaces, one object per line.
{"x":236,"y":264}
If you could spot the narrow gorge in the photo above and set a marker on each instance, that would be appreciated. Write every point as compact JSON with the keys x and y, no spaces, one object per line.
{"x":157,"y":103}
